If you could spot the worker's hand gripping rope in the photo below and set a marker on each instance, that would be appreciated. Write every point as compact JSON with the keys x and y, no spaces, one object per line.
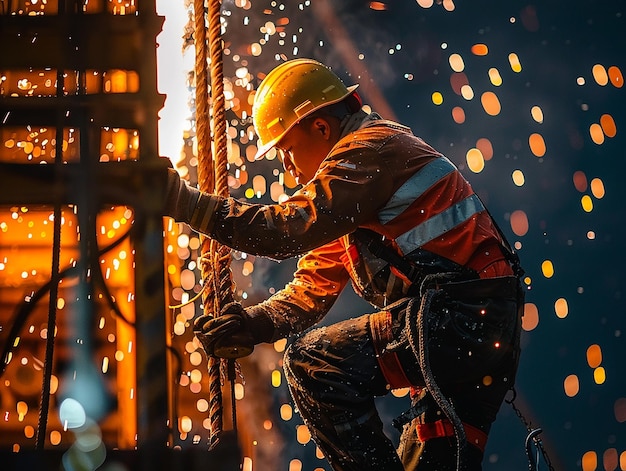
{"x":234,"y":333}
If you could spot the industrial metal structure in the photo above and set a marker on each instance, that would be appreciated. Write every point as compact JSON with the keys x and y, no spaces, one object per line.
{"x":81,"y":241}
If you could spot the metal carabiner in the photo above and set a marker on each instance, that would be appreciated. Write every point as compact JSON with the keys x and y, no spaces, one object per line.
{"x":530,"y":440}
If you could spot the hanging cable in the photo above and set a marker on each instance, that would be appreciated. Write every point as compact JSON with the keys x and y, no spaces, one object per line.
{"x":51,"y":327}
{"x":25,"y":309}
{"x":532,"y":438}
{"x":44,"y":407}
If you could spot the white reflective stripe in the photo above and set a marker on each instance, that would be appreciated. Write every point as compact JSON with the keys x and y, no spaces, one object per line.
{"x":439,"y":224}
{"x":415,"y":187}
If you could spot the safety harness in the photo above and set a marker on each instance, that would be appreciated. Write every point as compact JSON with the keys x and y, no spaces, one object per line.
{"x":425,"y":274}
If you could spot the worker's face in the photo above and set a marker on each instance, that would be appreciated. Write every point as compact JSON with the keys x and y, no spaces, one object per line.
{"x":305,"y":146}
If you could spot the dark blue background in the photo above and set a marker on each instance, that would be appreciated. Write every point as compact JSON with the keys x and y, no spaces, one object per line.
{"x":557,"y":43}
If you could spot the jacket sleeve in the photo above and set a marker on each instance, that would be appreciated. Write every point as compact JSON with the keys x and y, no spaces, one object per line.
{"x":347,"y":191}
{"x":317,"y":283}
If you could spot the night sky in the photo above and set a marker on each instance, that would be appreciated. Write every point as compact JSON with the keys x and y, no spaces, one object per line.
{"x":399,"y":53}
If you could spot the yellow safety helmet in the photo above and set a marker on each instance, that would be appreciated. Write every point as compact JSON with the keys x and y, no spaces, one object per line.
{"x":290,"y":92}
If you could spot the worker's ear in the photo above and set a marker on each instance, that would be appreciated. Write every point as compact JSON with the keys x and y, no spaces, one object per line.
{"x":321,"y":126}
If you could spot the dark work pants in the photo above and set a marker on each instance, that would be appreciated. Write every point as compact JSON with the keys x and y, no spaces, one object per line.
{"x":333,"y":375}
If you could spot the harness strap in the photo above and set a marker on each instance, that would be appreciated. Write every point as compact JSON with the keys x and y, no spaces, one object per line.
{"x":380,"y":327}
{"x":444,"y":428}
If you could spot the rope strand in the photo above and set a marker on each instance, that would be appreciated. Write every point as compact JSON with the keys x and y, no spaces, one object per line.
{"x":206,"y":183}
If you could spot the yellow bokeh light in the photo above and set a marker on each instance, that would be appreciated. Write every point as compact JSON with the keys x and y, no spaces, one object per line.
{"x":561,"y":308}
{"x":437,"y":98}
{"x":185,"y":424}
{"x":22,"y":410}
{"x":599,"y":375}
{"x":597,"y":188}
{"x":276,"y":378}
{"x":202,"y":405}
{"x":571,"y":385}
{"x":547,"y":268}
{"x":303,"y":435}
{"x":239,"y":391}
{"x":475,"y":160}
{"x":537,"y":144}
{"x":29,"y":431}
{"x":195,"y":358}
{"x":594,"y":356}
{"x":537,"y":114}
{"x":195,"y":375}
{"x":590,"y":461}
{"x":467,"y":92}
{"x":516,"y":65}
{"x":518,"y":178}
{"x":55,"y":437}
{"x":259,"y":184}
{"x":402,"y":392}
{"x":530,"y":320}
{"x":587,"y":203}
{"x":596,"y":133}
{"x":280,"y":345}
{"x":456,"y":63}
{"x":600,"y":75}
{"x":286,"y":412}
{"x":295,"y":465}
{"x":448,"y":5}
{"x":494,"y":77}
{"x":491,"y":103}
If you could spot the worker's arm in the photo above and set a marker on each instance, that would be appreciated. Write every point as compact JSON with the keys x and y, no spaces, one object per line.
{"x":317,"y":283}
{"x":347,"y":191}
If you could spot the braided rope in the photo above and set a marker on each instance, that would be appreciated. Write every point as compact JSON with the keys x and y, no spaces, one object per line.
{"x":206,"y":183}
{"x":225,"y":279}
{"x":213,"y":178}
{"x":222,"y":255}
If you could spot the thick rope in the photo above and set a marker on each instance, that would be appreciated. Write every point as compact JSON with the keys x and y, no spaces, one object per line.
{"x":221,"y":253}
{"x":225,"y":280}
{"x":418,"y":331}
{"x":206,"y":183}
{"x":213,"y":178}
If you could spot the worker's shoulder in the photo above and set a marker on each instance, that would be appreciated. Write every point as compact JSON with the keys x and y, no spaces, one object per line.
{"x":374,"y":135}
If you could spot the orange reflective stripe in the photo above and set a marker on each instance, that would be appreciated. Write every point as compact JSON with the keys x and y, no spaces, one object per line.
{"x":380,"y":328}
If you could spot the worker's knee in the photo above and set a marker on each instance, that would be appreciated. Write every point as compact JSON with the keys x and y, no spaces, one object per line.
{"x":301,"y":359}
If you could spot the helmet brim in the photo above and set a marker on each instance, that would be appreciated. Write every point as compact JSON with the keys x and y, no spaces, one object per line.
{"x":265,"y":148}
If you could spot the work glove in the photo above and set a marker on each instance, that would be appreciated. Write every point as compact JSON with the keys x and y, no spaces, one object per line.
{"x":180,"y":198}
{"x":235,"y":333}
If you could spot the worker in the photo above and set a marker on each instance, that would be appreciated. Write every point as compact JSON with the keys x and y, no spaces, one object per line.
{"x":380,"y":208}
